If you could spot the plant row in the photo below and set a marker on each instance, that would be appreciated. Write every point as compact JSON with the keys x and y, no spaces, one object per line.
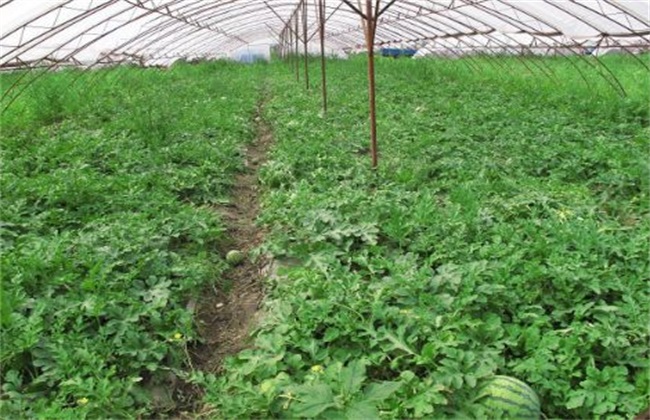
{"x":108,"y":231}
{"x":504,"y":232}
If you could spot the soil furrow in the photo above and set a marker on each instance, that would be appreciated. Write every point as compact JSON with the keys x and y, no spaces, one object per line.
{"x":225,"y":316}
{"x":225,"y":313}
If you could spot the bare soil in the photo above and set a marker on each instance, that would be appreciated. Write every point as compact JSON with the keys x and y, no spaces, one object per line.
{"x":226,"y":315}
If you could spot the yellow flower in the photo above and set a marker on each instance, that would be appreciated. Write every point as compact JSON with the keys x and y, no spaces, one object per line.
{"x":82,"y":401}
{"x":289,"y":396}
{"x":317,"y":369}
{"x":175,"y":338}
{"x":564,"y":214}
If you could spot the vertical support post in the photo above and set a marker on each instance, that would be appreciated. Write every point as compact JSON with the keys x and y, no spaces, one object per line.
{"x":292,"y":52}
{"x":370,"y":27}
{"x":369,"y":21}
{"x":297,"y":53}
{"x":321,"y":30}
{"x":289,"y":48}
{"x":304,"y":41}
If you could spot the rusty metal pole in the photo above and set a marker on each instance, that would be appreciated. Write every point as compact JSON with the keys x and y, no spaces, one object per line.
{"x":284,"y":45}
{"x":371,"y":25}
{"x":304,"y":41}
{"x":297,"y":53}
{"x":369,"y":21}
{"x":321,"y":30}
{"x":285,"y":50}
{"x":288,"y":50}
{"x":281,"y":47}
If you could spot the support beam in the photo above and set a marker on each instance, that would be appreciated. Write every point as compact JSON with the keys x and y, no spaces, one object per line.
{"x":321,"y":30}
{"x":292,"y":25}
{"x":355,"y":9}
{"x":369,"y":19}
{"x":336,"y":9}
{"x":370,"y":31}
{"x":304,"y":42}
{"x":296,"y":51}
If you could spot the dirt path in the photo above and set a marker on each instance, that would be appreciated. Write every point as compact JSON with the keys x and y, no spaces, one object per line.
{"x":225,"y":317}
{"x":225,"y":314}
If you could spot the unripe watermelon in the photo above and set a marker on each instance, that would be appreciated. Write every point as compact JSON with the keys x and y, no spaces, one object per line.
{"x":235,"y":257}
{"x":511,"y":398}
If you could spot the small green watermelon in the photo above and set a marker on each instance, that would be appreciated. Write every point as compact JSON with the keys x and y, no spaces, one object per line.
{"x":511,"y":398}
{"x":235,"y":257}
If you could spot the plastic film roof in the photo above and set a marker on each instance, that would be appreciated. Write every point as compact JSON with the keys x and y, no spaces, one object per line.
{"x":48,"y":33}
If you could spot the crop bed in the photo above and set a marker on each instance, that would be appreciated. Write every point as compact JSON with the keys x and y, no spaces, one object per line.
{"x":505,"y":232}
{"x":108,"y":231}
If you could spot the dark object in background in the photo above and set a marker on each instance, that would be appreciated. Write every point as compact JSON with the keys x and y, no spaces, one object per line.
{"x":398,"y":52}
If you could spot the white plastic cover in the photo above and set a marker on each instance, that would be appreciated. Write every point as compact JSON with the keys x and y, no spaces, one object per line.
{"x":51,"y":33}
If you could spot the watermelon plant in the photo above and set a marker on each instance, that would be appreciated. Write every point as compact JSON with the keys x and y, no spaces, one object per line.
{"x":107,"y":231}
{"x":504,"y":233}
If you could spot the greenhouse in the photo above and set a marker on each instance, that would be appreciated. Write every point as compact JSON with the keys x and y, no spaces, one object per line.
{"x":350,"y":209}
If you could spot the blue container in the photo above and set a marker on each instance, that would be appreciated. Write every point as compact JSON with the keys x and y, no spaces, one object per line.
{"x":398,"y":52}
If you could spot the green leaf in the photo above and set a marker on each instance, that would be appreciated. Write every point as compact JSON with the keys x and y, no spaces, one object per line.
{"x":428,"y":351}
{"x":604,"y":407}
{"x":398,"y":343}
{"x":575,"y":401}
{"x":381,"y":391}
{"x":352,"y":376}
{"x":313,"y":400}
{"x":362,"y":410}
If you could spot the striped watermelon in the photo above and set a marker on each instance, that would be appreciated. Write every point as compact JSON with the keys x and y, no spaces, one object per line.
{"x":511,"y":398}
